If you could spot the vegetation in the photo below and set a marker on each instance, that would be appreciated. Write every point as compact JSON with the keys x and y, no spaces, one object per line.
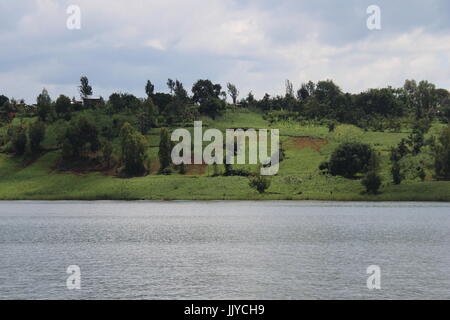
{"x":260,"y":183}
{"x":381,"y":144}
{"x":349,"y":159}
{"x":133,"y":146}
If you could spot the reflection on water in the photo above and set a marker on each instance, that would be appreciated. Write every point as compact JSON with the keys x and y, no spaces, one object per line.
{"x":224,"y":250}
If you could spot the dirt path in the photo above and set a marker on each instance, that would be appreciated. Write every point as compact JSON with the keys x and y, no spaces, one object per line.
{"x":307,"y":142}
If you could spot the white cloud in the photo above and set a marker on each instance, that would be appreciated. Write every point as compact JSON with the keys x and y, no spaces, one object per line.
{"x":257,"y":46}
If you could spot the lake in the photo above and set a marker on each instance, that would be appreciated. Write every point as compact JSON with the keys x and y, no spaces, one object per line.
{"x":224,"y":250}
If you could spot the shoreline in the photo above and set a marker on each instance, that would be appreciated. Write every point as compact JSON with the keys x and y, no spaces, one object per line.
{"x":174,"y":200}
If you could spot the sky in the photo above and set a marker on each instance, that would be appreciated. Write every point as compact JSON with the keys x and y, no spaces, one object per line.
{"x":255,"y":44}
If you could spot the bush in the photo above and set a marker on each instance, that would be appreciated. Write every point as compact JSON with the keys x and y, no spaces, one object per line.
{"x":166,"y":171}
{"x":372,"y":182}
{"x":36,"y":134}
{"x":260,"y":183}
{"x":349,"y":159}
{"x":182,"y":169}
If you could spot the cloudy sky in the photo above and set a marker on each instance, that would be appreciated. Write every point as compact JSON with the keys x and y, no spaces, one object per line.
{"x":256,"y":44}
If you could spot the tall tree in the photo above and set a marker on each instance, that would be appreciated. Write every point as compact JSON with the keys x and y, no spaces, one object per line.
{"x":133,"y":150}
{"x":85,"y":88}
{"x":303,"y":93}
{"x":442,"y":156}
{"x":63,"y":106}
{"x":146,"y":116}
{"x":205,"y":89}
{"x":180,"y":92}
{"x":289,"y":89}
{"x":164,"y":149}
{"x":171,"y":85}
{"x":233,"y":92}
{"x":81,"y":135}
{"x":149,"y":89}
{"x":36,"y":133}
{"x":44,"y":106}
{"x":426,"y":100}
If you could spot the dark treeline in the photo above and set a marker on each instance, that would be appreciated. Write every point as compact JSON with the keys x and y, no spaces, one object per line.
{"x":375,"y":108}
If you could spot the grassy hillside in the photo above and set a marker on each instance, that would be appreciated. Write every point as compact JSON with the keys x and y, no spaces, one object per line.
{"x":306,"y":146}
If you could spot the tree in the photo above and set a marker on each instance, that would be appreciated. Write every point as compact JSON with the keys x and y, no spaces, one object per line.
{"x":44,"y":106}
{"x":426,"y":100}
{"x":372,"y":182}
{"x":3,"y":100}
{"x":396,"y":173}
{"x":204,"y":89}
{"x":149,"y":89}
{"x":146,"y":116}
{"x":124,"y":101}
{"x":36,"y":134}
{"x":180,"y":92}
{"x":4,"y":107}
{"x":80,"y":135}
{"x":233,"y":92}
{"x":85,"y":88}
{"x":303,"y":93}
{"x":63,"y":106}
{"x":175,"y":111}
{"x":19,"y":140}
{"x":327,"y":92}
{"x":212,"y":107}
{"x":107,"y":151}
{"x":442,"y":156}
{"x":165,"y":149}
{"x":133,"y":145}
{"x":259,"y":183}
{"x":171,"y":85}
{"x":161,"y":100}
{"x":396,"y":155}
{"x":289,"y":89}
{"x":349,"y":159}
{"x":8,"y":108}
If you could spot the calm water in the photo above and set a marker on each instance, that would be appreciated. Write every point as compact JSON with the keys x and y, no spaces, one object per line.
{"x":224,"y":250}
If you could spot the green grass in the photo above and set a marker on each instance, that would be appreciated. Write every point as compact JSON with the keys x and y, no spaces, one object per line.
{"x":298,"y":178}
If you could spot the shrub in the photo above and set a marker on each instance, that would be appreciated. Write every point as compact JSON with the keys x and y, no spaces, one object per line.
{"x":166,"y":171}
{"x":260,"y":183}
{"x":349,"y":159}
{"x":182,"y":169}
{"x":372,"y":182}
